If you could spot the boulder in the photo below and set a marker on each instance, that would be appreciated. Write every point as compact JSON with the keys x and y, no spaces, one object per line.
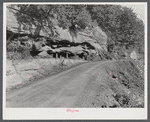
{"x":99,"y":34}
{"x":95,"y":37}
{"x":76,"y":49}
{"x":37,"y":45}
{"x":43,"y":54}
{"x":63,"y":34}
{"x":45,"y":48}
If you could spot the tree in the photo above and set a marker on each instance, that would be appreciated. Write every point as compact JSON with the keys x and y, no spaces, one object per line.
{"x":38,"y":16}
{"x":73,"y":17}
{"x":45,"y":17}
{"x":120,"y":24}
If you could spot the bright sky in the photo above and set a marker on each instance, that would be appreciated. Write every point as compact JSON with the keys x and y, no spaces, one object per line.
{"x":139,"y":9}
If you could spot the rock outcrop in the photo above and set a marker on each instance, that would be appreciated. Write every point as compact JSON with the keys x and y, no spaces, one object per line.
{"x":90,"y":41}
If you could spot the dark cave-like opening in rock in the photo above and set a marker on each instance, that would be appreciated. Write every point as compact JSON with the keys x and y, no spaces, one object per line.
{"x":50,"y":52}
{"x":55,"y":55}
{"x":67,"y":55}
{"x":88,"y":45}
{"x":71,"y":55}
{"x":64,"y":43}
{"x":82,"y":56}
{"x":62,"y":54}
{"x":34,"y":53}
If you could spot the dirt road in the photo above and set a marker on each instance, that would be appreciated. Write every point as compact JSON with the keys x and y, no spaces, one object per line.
{"x":72,"y":88}
{"x":96,"y":84}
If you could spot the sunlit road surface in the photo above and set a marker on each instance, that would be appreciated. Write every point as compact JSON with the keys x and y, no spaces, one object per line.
{"x":75,"y":87}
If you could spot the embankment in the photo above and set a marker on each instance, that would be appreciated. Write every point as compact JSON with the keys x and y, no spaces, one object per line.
{"x":21,"y":72}
{"x":121,"y":85}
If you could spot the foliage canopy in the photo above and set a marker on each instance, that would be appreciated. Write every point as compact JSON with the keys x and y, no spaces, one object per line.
{"x":121,"y":24}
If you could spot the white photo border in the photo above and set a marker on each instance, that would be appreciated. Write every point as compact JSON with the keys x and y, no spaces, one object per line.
{"x":84,"y":113}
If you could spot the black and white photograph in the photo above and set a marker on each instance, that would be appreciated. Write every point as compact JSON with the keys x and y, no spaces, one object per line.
{"x":76,"y":57}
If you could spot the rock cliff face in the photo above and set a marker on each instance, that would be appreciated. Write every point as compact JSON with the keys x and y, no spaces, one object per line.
{"x":91,"y":41}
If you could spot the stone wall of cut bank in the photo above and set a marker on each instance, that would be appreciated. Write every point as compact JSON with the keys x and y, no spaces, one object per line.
{"x":24,"y":71}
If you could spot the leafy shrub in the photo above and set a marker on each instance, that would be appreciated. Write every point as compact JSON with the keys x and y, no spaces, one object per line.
{"x":19,"y":48}
{"x":18,"y":52}
{"x":17,"y":55}
{"x":26,"y":54}
{"x":13,"y":55}
{"x":13,"y":46}
{"x":10,"y":47}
